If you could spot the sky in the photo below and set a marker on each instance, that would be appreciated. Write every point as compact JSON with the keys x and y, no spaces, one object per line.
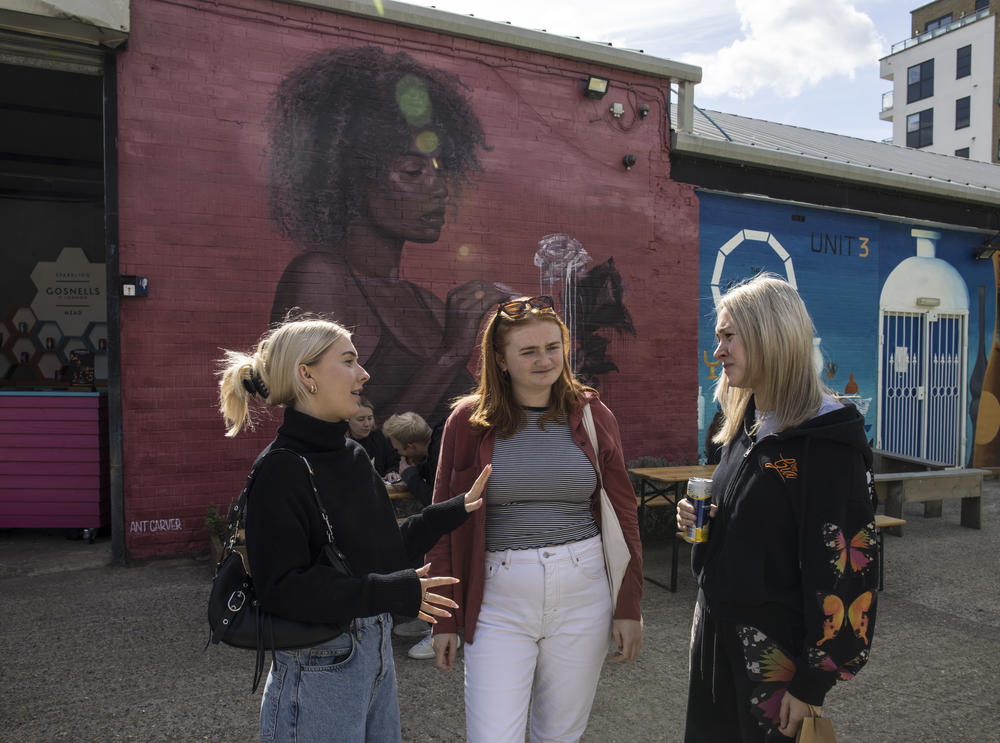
{"x":810,"y":63}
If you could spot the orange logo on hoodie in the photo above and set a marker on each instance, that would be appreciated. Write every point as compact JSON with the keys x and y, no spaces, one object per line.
{"x":788,"y":469}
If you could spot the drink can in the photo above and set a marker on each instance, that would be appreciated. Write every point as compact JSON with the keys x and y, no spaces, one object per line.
{"x":699,"y":492}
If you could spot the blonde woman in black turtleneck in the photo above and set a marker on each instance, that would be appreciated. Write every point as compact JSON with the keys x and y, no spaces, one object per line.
{"x":345,"y":689}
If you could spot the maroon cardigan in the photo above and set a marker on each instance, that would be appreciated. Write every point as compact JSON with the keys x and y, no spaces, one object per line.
{"x":462,"y":553}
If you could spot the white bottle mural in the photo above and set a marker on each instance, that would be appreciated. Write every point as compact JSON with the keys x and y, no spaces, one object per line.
{"x":561,"y":258}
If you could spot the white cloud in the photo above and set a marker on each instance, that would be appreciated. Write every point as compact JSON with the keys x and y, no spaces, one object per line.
{"x":789,"y":46}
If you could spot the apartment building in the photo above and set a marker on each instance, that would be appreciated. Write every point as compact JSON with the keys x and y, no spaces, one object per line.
{"x":946,"y":81}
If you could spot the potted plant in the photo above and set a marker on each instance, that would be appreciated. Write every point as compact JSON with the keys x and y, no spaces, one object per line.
{"x":217,"y":525}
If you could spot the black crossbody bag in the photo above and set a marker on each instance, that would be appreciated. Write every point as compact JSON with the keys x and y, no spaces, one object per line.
{"x":234,"y":614}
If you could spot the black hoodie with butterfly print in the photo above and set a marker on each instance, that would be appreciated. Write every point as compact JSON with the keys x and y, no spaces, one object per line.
{"x":792,"y":551}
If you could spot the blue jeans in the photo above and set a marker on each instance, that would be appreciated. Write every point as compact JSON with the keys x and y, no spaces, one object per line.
{"x":343,"y":690}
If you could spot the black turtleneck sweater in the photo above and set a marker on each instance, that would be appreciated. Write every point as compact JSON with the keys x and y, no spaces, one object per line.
{"x":285,"y":531}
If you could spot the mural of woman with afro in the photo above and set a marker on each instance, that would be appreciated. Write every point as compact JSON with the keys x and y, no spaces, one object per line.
{"x":367,"y":149}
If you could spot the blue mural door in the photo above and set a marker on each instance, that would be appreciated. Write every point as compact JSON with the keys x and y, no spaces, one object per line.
{"x":945,"y":389}
{"x":921,"y":368}
{"x":902,"y":399}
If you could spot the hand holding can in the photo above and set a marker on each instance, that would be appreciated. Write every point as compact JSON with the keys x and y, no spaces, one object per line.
{"x":699,"y":493}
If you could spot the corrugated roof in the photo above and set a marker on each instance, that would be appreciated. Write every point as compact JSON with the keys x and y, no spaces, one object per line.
{"x":769,"y":144}
{"x":505,"y":34}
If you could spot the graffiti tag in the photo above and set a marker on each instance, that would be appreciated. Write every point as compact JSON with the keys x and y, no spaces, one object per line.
{"x":151,"y":526}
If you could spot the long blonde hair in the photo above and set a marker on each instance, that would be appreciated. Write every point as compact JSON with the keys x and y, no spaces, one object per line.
{"x":494,"y":403}
{"x":269,"y":373}
{"x":777,"y":333}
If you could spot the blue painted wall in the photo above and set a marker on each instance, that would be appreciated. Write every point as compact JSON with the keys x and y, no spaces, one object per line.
{"x":840,"y":262}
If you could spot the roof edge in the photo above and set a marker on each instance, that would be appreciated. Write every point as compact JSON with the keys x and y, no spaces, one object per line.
{"x":692,"y":144}
{"x":478,"y":29}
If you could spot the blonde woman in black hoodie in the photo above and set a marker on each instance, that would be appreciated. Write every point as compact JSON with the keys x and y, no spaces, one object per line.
{"x":787,"y":579}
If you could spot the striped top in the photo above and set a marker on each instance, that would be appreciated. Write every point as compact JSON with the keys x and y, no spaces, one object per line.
{"x":540,"y":490}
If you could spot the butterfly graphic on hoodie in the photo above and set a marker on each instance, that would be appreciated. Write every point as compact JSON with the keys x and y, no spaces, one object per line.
{"x":772,"y":667}
{"x":850,"y":556}
{"x":857,"y":615}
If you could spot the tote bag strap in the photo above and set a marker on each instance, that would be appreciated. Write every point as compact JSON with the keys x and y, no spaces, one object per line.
{"x":588,"y":424}
{"x":616,"y":554}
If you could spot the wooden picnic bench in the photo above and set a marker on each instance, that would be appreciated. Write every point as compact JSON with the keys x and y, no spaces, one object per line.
{"x":883,"y":524}
{"x":662,"y":487}
{"x":931,"y":487}
{"x":888,"y":461}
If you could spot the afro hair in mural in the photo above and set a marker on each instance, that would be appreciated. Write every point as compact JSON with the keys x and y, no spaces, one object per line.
{"x":342,"y":116}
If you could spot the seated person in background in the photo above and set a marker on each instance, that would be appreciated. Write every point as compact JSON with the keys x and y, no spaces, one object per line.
{"x":417,"y":447}
{"x":362,"y":428}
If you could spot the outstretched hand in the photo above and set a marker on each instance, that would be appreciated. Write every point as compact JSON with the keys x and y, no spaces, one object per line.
{"x":431,"y":603}
{"x":474,"y":498}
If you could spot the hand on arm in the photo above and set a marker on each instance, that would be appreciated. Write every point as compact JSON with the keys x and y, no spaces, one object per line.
{"x":474,"y":498}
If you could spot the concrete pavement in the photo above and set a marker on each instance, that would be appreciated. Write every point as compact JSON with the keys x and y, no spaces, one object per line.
{"x":99,"y":653}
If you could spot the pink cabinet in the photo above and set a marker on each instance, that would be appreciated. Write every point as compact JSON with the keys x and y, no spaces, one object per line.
{"x":53,"y":460}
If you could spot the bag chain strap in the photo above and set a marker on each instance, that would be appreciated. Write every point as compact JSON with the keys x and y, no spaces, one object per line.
{"x":238,"y":509}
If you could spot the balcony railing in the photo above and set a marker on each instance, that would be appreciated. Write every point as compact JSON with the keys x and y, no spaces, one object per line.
{"x":901,"y":45}
{"x":887,"y":100}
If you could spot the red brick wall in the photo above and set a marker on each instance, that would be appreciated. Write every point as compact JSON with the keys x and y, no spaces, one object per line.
{"x":194,"y":85}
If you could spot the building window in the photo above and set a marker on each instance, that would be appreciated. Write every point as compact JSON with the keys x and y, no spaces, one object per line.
{"x":963,"y":152}
{"x":937,"y":23}
{"x":962,"y":113}
{"x":920,"y":128}
{"x":963,"y":62}
{"x":982,"y":5}
{"x":920,"y":81}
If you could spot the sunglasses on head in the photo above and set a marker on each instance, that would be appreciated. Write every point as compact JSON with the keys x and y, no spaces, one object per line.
{"x":519,"y":307}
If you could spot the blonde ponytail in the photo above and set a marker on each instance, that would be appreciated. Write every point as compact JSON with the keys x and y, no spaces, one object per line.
{"x":235,"y":384}
{"x":269,"y":374}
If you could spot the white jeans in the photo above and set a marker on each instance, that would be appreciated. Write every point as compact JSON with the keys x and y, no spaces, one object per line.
{"x":541,"y":639}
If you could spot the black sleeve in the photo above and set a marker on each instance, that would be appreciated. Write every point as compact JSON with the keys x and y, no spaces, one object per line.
{"x":422,"y":531}
{"x":284,"y":540}
{"x":419,"y":488}
{"x":839,"y":563}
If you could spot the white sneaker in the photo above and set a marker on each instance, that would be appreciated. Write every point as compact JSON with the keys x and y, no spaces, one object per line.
{"x":423,"y":650}
{"x":412,"y":628}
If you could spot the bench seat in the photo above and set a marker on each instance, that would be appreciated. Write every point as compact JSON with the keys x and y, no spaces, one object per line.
{"x":931,"y":487}
{"x":883,"y":523}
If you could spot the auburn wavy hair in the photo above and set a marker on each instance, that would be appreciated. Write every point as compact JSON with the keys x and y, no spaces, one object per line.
{"x":494,"y":403}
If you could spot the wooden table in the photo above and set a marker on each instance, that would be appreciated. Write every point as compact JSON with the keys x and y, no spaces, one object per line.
{"x":664,"y":486}
{"x":397,"y":490}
